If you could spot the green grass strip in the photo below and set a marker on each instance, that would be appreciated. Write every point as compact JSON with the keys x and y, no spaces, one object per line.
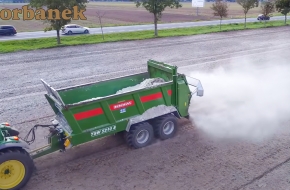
{"x":41,"y":43}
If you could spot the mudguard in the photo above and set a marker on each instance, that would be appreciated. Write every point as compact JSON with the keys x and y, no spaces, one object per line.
{"x":19,"y":144}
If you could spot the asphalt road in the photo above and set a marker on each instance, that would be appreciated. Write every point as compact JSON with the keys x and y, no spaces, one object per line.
{"x":42,"y":34}
{"x":193,"y":159}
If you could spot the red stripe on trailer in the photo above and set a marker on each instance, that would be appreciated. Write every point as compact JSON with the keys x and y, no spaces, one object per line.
{"x":151,"y":97}
{"x":88,"y":114}
{"x":121,"y":105}
{"x":169,"y":92}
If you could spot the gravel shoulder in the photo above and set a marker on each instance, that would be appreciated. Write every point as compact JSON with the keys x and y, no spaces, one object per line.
{"x":191,"y":160}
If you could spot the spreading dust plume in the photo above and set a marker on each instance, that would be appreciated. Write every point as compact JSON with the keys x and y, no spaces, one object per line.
{"x":247,"y":100}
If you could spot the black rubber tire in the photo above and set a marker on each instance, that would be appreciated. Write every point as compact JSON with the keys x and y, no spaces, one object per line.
{"x":131,"y":136}
{"x":69,"y":32}
{"x":86,"y":31}
{"x":22,"y":156}
{"x":159,"y":123}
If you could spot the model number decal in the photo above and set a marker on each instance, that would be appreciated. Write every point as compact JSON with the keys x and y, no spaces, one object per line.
{"x":103,"y":131}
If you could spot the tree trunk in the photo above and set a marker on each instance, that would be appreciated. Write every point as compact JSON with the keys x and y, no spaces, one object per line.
{"x":58,"y":37}
{"x":245,"y":25}
{"x":155,"y":25}
{"x":285,"y":18}
{"x":101,"y":28}
{"x":221,"y":23}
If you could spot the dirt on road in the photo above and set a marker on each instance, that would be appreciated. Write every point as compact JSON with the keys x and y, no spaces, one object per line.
{"x":195,"y":159}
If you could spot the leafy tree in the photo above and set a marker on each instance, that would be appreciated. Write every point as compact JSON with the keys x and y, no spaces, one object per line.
{"x":283,"y":6}
{"x":70,"y":7}
{"x":157,"y":7}
{"x":267,"y":7}
{"x":220,"y":9}
{"x":247,"y":5}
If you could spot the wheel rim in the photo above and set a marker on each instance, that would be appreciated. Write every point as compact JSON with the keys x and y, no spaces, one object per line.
{"x":168,"y":127}
{"x":12,"y":173}
{"x":142,"y":136}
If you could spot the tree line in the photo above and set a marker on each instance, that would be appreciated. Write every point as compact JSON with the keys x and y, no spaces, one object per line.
{"x":220,"y":8}
{"x":156,"y":7}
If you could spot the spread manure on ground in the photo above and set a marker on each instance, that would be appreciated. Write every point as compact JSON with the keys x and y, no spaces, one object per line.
{"x":244,"y":101}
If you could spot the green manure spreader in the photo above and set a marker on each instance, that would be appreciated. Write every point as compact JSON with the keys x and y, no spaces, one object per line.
{"x":142,"y":106}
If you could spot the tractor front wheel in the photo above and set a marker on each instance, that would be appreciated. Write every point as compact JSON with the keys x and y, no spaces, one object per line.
{"x":140,"y":135}
{"x":16,"y":168}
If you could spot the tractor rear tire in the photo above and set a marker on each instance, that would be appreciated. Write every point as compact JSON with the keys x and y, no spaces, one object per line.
{"x":165,"y":126}
{"x":140,"y":135}
{"x":16,"y":168}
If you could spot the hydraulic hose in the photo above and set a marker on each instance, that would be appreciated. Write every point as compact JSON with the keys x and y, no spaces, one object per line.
{"x":32,"y":132}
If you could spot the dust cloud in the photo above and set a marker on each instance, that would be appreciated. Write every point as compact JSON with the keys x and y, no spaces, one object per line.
{"x":245,"y":100}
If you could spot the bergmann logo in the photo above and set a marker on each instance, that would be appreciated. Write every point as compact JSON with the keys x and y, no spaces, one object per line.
{"x":121,"y":105}
{"x":39,"y":14}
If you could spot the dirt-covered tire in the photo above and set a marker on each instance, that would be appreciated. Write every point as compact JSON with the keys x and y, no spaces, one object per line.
{"x":140,"y":135}
{"x":16,"y":168}
{"x":165,"y":126}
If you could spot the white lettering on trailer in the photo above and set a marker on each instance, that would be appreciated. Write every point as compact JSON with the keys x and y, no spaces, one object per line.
{"x":122,"y":105}
{"x":103,"y":131}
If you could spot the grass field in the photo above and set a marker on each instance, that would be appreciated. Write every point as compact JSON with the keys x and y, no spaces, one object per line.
{"x":126,"y":13}
{"x":32,"y":44}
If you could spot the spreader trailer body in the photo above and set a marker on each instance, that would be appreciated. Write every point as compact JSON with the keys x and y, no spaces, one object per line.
{"x":143,"y":106}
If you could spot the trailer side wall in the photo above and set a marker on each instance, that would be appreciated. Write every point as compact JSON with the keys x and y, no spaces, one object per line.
{"x":105,"y":117}
{"x":99,"y":89}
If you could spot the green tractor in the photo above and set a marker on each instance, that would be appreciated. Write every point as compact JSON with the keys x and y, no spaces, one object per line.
{"x":16,"y":164}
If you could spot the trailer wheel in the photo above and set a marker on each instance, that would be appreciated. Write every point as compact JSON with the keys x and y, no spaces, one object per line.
{"x":16,"y":168}
{"x":140,"y":135}
{"x":165,"y":127}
